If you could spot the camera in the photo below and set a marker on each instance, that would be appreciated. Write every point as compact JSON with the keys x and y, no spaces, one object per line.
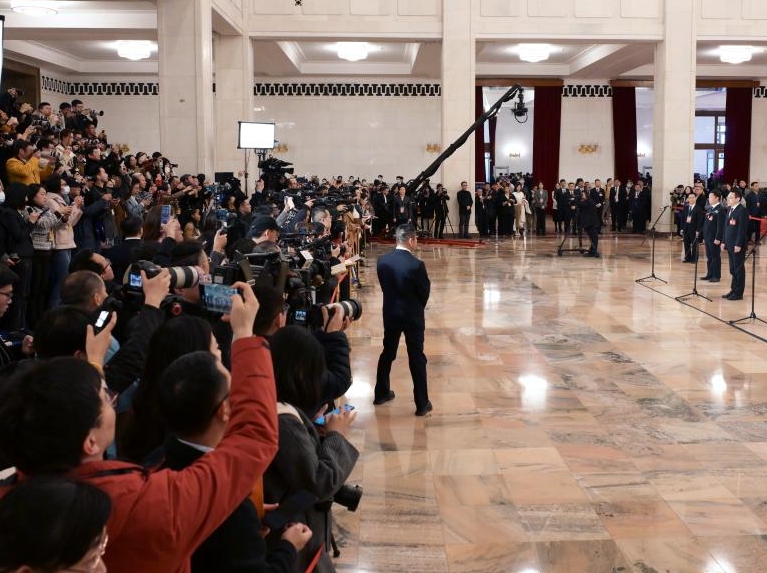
{"x":180,"y":277}
{"x":348,"y":496}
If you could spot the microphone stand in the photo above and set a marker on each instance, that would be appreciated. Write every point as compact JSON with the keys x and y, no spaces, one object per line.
{"x":752,"y":317}
{"x":651,"y":276}
{"x":694,"y":292}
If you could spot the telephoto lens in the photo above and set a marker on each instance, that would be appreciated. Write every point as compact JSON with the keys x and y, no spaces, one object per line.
{"x":352,"y":308}
{"x":184,"y":277}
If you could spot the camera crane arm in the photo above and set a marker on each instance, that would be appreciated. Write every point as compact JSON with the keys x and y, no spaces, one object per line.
{"x":515,"y":90}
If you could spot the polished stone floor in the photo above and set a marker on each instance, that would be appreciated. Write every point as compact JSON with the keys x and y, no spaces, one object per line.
{"x":582,"y":422}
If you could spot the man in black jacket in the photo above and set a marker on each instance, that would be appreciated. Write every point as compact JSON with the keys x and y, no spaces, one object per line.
{"x":404,"y":211}
{"x":692,"y":224}
{"x":713,"y":230}
{"x":464,"y":210}
{"x":440,"y":211}
{"x":735,"y":241}
{"x":196,"y":411}
{"x":406,"y":286}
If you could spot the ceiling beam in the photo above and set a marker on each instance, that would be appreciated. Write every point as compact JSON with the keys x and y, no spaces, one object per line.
{"x":592,"y":57}
{"x":39,"y":55}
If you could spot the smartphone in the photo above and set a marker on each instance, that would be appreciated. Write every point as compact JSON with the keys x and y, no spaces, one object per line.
{"x":217,"y":297}
{"x":165,"y":214}
{"x":291,"y":510}
{"x":321,"y":420}
{"x":102,"y":320}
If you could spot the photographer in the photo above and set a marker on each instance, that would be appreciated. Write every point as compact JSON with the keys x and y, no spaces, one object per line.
{"x":427,"y":204}
{"x":588,"y":221}
{"x":28,"y":165}
{"x":57,"y":418}
{"x":83,"y":116}
{"x":441,"y":211}
{"x":303,"y":460}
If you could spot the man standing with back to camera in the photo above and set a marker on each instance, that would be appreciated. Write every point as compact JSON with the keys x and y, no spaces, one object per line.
{"x":405,"y":285}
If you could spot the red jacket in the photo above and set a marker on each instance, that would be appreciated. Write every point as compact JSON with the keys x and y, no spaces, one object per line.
{"x":158,"y":519}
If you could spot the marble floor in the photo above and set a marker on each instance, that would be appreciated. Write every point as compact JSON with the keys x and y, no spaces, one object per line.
{"x":582,"y":422}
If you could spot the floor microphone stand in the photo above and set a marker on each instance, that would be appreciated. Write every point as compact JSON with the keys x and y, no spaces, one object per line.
{"x":651,"y":276}
{"x":694,"y":292}
{"x":752,"y":317}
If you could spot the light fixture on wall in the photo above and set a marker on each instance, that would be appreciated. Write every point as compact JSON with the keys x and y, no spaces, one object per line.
{"x":588,"y":148}
{"x":34,"y":7}
{"x":534,"y":52}
{"x":433,"y":148}
{"x":737,"y":54}
{"x":281,"y":148}
{"x":134,"y":50}
{"x":354,"y":51}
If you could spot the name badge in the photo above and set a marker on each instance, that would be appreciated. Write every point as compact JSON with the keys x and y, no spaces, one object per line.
{"x":733,"y":222}
{"x":689,"y":219}
{"x":710,"y":217}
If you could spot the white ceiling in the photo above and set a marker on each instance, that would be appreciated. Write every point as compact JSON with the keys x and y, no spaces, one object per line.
{"x":80,"y":40}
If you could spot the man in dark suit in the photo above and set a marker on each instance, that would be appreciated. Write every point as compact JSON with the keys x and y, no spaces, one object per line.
{"x":405,"y":285}
{"x":464,"y":208}
{"x":713,"y":230}
{"x":404,"y":210}
{"x":735,"y":242}
{"x":692,"y":225}
{"x":640,"y":208}
{"x":382,"y":206}
{"x":122,"y":254}
{"x":196,"y":411}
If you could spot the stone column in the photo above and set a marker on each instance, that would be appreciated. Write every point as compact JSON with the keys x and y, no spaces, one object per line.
{"x":458,"y":80}
{"x":233,"y":102}
{"x":674,"y":117}
{"x":186,"y":84}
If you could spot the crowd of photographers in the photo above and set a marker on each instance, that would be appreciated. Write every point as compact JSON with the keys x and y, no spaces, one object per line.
{"x":176,"y":345}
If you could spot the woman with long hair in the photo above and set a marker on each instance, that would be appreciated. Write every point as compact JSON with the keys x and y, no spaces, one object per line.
{"x":143,"y":431}
{"x":305,"y":461}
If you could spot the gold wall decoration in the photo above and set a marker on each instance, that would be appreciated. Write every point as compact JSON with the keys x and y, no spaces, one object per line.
{"x":588,"y":148}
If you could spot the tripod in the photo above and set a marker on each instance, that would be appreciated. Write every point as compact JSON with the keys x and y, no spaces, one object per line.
{"x":695,"y":248}
{"x":752,"y":317}
{"x":580,"y":248}
{"x":651,"y":276}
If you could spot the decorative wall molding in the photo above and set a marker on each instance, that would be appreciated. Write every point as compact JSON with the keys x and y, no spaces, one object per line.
{"x":353,"y":90}
{"x":760,"y":92}
{"x":99,"y":88}
{"x":54,"y":85}
{"x":587,"y":90}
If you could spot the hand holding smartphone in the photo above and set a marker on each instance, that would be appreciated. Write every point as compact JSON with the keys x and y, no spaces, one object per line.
{"x":321,"y":420}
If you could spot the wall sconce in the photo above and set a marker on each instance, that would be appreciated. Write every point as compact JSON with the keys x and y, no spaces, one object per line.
{"x":281,"y":148}
{"x":433,"y":148}
{"x":587,"y":149}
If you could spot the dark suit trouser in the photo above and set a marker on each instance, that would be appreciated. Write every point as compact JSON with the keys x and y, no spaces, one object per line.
{"x":492,"y":218}
{"x":463,"y":222}
{"x":593,"y":233}
{"x":737,"y":270}
{"x":540,"y":221}
{"x":416,"y":361}
{"x":713,"y":260}
{"x":439,"y":226}
{"x":690,"y":246}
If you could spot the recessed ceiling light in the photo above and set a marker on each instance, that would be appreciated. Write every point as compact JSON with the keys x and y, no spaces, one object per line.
{"x":737,"y":54}
{"x":34,"y":7}
{"x":534,"y":52}
{"x":354,"y":51}
{"x":134,"y":49}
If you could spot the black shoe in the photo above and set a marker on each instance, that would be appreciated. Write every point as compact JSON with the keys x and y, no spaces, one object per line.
{"x":735,"y":297}
{"x":425,"y":410}
{"x":706,"y":278}
{"x":388,"y":398}
{"x":713,"y":280}
{"x":728,"y":295}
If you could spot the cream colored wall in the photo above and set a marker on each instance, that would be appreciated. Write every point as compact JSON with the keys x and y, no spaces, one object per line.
{"x":586,"y":121}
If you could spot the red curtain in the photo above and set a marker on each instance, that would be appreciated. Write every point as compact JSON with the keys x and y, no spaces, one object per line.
{"x":625,"y":133}
{"x":546,"y":132}
{"x":737,"y":143}
{"x":479,"y":137}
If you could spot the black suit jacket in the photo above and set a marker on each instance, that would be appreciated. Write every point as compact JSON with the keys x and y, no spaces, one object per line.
{"x":122,"y":256}
{"x":696,"y":219}
{"x":403,"y":208}
{"x":736,"y":228}
{"x":236,"y":546}
{"x":406,"y":286}
{"x":713,"y":223}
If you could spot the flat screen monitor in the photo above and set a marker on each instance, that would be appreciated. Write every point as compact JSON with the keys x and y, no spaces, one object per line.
{"x":255,"y":135}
